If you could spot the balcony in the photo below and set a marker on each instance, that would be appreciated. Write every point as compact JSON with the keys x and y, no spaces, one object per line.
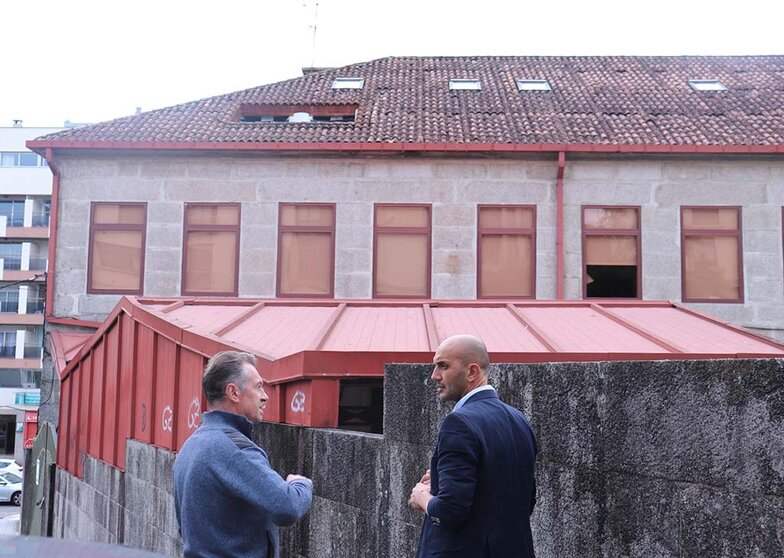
{"x":38,"y":263}
{"x":9,"y":302}
{"x":32,"y":357}
{"x":35,"y":306}
{"x":32,"y":351}
{"x":14,"y":225}
{"x":41,"y":219}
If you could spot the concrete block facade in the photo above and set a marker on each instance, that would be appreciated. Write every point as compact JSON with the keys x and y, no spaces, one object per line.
{"x":660,"y":185}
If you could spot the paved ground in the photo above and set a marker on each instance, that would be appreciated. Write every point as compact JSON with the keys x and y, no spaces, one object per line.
{"x":7,"y":509}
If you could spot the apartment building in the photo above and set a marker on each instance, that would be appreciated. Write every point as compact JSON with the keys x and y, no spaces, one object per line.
{"x":25,"y":204}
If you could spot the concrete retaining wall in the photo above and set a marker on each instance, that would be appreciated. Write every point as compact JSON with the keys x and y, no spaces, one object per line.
{"x":135,"y":508}
{"x":654,"y":459}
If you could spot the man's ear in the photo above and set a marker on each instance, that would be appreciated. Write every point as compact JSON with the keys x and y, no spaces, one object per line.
{"x":473,"y":371}
{"x":232,"y":392}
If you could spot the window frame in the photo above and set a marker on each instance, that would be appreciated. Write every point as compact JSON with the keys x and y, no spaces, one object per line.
{"x":116,"y":227}
{"x":404,"y":230}
{"x":306,"y":229}
{"x":738,"y":233}
{"x":585,"y":233}
{"x":527,"y":84}
{"x":186,"y":229}
{"x":495,"y":231}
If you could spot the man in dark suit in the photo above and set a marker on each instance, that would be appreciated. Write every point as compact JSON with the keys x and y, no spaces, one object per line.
{"x":479,"y":492}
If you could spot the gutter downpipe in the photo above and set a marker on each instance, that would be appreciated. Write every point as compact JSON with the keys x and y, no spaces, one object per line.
{"x":49,"y":156}
{"x":559,"y":228}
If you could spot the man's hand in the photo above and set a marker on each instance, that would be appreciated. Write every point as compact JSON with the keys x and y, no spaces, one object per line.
{"x":296,"y":477}
{"x":420,"y":495}
{"x":426,"y":477}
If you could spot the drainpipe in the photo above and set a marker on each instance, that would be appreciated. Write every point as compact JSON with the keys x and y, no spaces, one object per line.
{"x":559,"y":228}
{"x":48,"y":155}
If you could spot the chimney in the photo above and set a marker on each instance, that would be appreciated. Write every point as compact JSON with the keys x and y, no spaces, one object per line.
{"x":138,"y":110}
{"x":17,"y":123}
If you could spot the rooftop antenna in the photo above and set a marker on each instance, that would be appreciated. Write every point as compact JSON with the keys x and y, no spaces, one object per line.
{"x":315,"y":30}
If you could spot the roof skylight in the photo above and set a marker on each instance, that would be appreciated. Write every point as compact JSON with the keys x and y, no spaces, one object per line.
{"x":707,"y":85}
{"x":348,"y":83}
{"x":464,"y":85}
{"x":533,"y":85}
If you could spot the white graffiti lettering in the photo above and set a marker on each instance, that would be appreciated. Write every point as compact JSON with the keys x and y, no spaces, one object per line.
{"x":194,"y":413}
{"x":168,"y":418}
{"x":298,"y":402}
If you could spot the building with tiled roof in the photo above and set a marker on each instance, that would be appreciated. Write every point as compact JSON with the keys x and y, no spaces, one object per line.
{"x":591,"y":100}
{"x":442,"y":178}
{"x":610,"y":184}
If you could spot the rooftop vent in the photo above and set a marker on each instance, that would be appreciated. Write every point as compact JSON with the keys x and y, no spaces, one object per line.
{"x":464,"y":85}
{"x":533,"y":85}
{"x":707,"y":85}
{"x":348,"y":83}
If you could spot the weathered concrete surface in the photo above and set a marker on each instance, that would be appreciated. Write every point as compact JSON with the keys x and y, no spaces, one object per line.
{"x":135,"y":508}
{"x":666,"y":459}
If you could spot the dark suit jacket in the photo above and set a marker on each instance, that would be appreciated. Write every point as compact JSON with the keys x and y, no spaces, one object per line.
{"x":482,"y":482}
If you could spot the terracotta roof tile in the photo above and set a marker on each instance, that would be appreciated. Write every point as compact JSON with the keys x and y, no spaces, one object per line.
{"x":594,"y":100}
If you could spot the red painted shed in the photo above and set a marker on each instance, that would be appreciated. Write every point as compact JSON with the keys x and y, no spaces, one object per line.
{"x":139,"y":375}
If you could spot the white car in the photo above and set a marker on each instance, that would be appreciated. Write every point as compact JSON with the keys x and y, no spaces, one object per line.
{"x":11,"y":488}
{"x":9,"y":466}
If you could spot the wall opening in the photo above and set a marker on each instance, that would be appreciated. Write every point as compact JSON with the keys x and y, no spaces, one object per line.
{"x":361,"y":406}
{"x":611,"y":281}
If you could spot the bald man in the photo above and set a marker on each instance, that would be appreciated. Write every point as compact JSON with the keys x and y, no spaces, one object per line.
{"x":479,"y":492}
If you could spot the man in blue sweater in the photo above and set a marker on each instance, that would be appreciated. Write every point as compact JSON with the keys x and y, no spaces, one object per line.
{"x":229,"y":501}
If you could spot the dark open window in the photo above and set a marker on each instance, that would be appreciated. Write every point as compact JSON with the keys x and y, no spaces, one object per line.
{"x":611,"y":252}
{"x":361,"y":405}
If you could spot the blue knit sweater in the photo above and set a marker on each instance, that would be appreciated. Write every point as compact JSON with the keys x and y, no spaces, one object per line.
{"x":229,"y":501}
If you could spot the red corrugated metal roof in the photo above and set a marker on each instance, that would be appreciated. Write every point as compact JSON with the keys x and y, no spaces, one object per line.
{"x":65,"y":345}
{"x":297,"y":338}
{"x":297,"y":332}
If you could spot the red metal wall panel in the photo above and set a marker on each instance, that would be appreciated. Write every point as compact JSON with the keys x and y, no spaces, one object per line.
{"x":274,"y":411}
{"x":65,"y":428}
{"x":111,"y":373}
{"x":125,"y":404}
{"x":189,"y":397}
{"x":96,"y":400}
{"x":143,"y":403}
{"x":325,"y":399}
{"x":73,"y":424}
{"x":297,"y":402}
{"x":83,"y":374}
{"x":62,"y":446}
{"x":164,"y":375}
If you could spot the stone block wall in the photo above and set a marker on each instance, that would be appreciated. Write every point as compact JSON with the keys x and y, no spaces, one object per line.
{"x":659,"y":185}
{"x":134,"y":508}
{"x":672,"y":459}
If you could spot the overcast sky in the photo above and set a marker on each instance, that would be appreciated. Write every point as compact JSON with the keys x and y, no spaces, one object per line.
{"x":94,"y":60}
